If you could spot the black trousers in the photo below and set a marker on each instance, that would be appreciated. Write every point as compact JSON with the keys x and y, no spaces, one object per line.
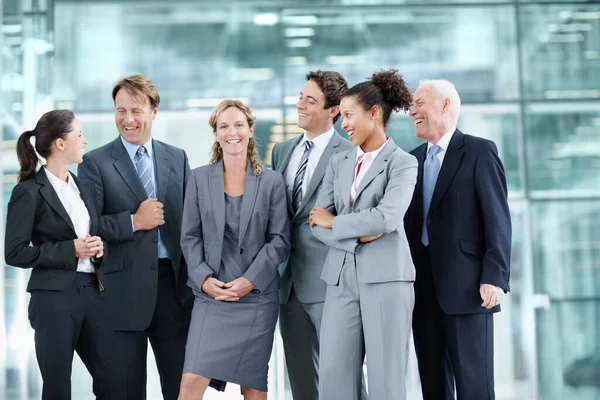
{"x":167,"y":334}
{"x":452,"y":350}
{"x":72,"y":320}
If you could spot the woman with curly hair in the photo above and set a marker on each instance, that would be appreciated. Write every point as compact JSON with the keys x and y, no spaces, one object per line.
{"x":235,"y":233}
{"x":369,"y":271}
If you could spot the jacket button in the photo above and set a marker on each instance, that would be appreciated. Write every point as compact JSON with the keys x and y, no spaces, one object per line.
{"x":294,"y":224}
{"x":154,"y":240}
{"x":241,"y":251}
{"x":153,"y":266}
{"x":428,"y":221}
{"x":293,"y":250}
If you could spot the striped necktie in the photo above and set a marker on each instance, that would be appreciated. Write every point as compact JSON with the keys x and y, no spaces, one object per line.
{"x":299,"y":178}
{"x":144,"y":170}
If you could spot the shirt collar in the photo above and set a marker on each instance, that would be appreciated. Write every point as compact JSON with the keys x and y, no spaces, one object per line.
{"x":57,"y":182}
{"x":320,"y":141}
{"x":373,"y":154}
{"x":133,"y":148}
{"x":444,"y":141}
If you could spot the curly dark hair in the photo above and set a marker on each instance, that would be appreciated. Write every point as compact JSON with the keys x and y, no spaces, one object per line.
{"x":387,"y":89}
{"x":332,"y":84}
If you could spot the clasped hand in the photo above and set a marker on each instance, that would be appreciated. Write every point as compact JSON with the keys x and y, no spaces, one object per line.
{"x":230,"y":291}
{"x":88,"y":247}
{"x":321,"y":217}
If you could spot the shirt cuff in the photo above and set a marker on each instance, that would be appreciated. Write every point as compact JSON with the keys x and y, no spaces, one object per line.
{"x":132,"y":226}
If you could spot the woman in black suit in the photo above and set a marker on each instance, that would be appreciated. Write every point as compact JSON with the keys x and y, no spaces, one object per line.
{"x":51,"y":227}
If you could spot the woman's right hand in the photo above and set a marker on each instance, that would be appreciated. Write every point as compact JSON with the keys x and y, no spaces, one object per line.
{"x":367,"y":239}
{"x":87,"y":247}
{"x":214,"y":288}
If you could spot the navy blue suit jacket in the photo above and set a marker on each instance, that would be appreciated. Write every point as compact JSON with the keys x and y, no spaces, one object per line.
{"x":468,"y":223}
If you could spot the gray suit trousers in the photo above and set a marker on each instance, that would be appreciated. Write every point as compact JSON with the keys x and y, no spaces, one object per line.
{"x":375,"y":317}
{"x":300,"y":324}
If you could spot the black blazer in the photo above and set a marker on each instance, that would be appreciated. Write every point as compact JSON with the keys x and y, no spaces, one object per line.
{"x":36,"y":215}
{"x":131,"y":268}
{"x":468,"y":223}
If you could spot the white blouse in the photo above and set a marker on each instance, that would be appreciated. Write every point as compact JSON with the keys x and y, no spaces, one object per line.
{"x":70,"y":197}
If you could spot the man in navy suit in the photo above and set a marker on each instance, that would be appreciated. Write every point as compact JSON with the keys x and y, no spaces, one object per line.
{"x":459,"y":230}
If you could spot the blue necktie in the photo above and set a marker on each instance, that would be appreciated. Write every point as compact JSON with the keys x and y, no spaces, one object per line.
{"x":144,"y":170}
{"x":431,"y":170}
{"x":299,"y":178}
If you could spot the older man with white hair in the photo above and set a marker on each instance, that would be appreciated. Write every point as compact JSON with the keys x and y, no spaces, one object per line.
{"x":459,"y":230}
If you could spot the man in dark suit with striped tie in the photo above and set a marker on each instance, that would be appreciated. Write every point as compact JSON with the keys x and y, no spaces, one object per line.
{"x":139,"y":187}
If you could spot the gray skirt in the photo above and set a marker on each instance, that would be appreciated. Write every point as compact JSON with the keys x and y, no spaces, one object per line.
{"x":232,"y":341}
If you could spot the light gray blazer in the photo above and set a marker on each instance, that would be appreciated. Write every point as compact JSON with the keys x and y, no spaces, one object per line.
{"x":308,"y":254}
{"x":264,"y":240}
{"x":382,"y":198}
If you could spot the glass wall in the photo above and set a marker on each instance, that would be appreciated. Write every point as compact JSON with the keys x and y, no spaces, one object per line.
{"x":527,"y":72}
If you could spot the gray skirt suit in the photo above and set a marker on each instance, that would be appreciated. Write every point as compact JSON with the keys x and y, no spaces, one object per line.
{"x":229,"y":237}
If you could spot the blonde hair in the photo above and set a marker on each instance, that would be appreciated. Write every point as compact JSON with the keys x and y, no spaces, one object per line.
{"x":216,"y":153}
{"x":138,"y":86}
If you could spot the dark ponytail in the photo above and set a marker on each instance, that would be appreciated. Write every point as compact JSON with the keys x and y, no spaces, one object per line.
{"x":51,"y":126}
{"x":386,"y":89}
{"x":26,"y":155}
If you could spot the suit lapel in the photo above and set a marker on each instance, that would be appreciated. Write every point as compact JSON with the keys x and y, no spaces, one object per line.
{"x":52,"y":198}
{"x":283,"y":165}
{"x":321,"y":168}
{"x":287,"y":154}
{"x":250,"y":192}
{"x":127,"y":171}
{"x":346,"y":173}
{"x":452,"y":160}
{"x":420,"y":154}
{"x":217,"y":197}
{"x":89,"y":203}
{"x":162,"y":168}
{"x":377,"y":166}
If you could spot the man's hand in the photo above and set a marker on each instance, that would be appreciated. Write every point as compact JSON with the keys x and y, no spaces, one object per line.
{"x":321,"y":217}
{"x":214,"y":288}
{"x":240,"y":286}
{"x":88,"y":246}
{"x":149,"y":215}
{"x":490,"y":295}
{"x":367,"y":239}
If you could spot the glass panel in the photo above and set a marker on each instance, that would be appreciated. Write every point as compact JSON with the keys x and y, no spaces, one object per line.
{"x":560,"y":51}
{"x":563,"y":148}
{"x":566,"y":250}
{"x":471,"y":46}
{"x":194,"y":54}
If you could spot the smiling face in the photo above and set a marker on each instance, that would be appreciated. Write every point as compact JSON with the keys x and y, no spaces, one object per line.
{"x":313,"y":117}
{"x":71,"y":147}
{"x":233,"y":132}
{"x":134,"y":116}
{"x":358,"y":122}
{"x":430,"y":115}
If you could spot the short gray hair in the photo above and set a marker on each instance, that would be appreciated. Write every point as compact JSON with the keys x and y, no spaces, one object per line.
{"x":444,"y":89}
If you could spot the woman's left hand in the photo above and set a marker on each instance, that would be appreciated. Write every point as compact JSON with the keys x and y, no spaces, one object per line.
{"x":321,"y":217}
{"x":241,"y":286}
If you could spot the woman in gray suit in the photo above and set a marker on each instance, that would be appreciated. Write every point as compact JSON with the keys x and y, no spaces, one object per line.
{"x":235,"y":233}
{"x":369,"y":271}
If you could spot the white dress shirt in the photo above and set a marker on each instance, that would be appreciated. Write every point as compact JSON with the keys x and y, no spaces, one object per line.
{"x":367,"y":161}
{"x":318,"y":147}
{"x":443,"y":143}
{"x":70,"y":197}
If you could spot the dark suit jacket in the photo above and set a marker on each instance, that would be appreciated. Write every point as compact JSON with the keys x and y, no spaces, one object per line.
{"x":468,"y":223}
{"x":131,"y":267}
{"x":36,"y":215}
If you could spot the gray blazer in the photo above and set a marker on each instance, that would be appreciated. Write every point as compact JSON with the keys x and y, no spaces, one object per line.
{"x":305,"y":264}
{"x":130,"y":266}
{"x":264,"y":240}
{"x":381,"y":200}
